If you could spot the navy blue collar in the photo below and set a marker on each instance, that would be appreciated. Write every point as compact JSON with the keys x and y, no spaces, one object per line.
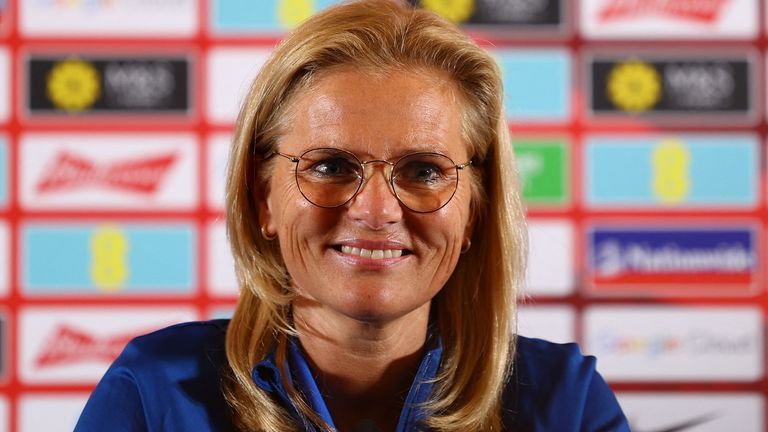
{"x":266,"y":375}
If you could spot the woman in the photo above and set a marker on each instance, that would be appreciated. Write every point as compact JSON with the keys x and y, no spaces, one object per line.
{"x":379,"y":242}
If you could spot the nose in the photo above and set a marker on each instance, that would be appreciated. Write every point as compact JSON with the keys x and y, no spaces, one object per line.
{"x":375,"y":204}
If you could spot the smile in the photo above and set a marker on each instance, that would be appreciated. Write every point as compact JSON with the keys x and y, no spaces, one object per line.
{"x":372,"y":253}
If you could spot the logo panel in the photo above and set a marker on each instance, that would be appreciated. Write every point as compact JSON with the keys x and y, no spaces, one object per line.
{"x":218,"y":154}
{"x":676,"y":343}
{"x":265,"y":16}
{"x":544,"y":167}
{"x":4,"y":348}
{"x":674,"y":87}
{"x":230,"y":73}
{"x":5,"y":259}
{"x":499,"y":15}
{"x":553,"y":323}
{"x":680,"y":19}
{"x":221,"y":272}
{"x":76,"y":345}
{"x":104,"y":18}
{"x":5,"y":82}
{"x":5,"y":173}
{"x":550,"y":258}
{"x":673,"y":260}
{"x":537,"y":84}
{"x":80,"y":84}
{"x":62,"y":410}
{"x":5,"y":18}
{"x":672,"y":172}
{"x":5,"y":410}
{"x":109,"y":258}
{"x":103,"y":172}
{"x":710,"y":412}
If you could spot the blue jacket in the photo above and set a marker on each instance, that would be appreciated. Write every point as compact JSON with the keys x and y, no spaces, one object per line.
{"x":169,"y":380}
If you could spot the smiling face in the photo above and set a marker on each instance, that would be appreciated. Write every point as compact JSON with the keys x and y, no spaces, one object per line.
{"x":371,"y":259}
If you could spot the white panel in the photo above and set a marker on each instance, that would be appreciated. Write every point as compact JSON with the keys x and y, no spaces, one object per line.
{"x":154,"y":18}
{"x":103,"y":171}
{"x":676,"y":343}
{"x":550,"y":262}
{"x":76,"y":345}
{"x":553,"y":323}
{"x":694,"y":412}
{"x":218,"y":153}
{"x":230,"y":73}
{"x":683,"y":19}
{"x":221,"y":273}
{"x":55,"y":412}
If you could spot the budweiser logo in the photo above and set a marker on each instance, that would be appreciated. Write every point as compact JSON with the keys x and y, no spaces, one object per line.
{"x":69,"y":345}
{"x":704,"y":11}
{"x":69,"y":171}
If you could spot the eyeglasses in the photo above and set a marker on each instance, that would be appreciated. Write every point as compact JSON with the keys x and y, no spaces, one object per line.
{"x":422,"y":182}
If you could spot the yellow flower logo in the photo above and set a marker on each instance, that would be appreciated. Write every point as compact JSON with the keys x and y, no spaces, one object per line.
{"x":634,"y":86}
{"x":73,"y":85}
{"x":457,"y":11}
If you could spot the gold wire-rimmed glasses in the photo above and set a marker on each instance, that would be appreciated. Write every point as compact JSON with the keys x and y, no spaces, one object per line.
{"x":423,"y":182}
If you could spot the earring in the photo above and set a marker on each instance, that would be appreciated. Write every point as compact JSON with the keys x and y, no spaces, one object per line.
{"x":266,"y":236}
{"x":465,"y":247}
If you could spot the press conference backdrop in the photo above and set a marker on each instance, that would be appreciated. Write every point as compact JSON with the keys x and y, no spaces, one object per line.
{"x":640,"y":131}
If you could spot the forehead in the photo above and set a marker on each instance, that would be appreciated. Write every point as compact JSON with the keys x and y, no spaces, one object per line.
{"x":380,"y":114}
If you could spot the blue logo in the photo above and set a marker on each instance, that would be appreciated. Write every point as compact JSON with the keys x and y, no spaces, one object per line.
{"x":537,"y":84}
{"x":658,"y":172}
{"x":108,"y":259}
{"x":699,"y":258}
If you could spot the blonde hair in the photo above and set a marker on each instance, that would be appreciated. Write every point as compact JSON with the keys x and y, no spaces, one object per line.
{"x":475,"y":311}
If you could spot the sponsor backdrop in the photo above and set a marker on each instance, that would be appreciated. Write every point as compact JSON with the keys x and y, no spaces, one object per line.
{"x":640,"y":131}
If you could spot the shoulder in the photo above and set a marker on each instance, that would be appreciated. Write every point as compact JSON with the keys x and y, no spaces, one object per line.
{"x":179,"y":366}
{"x":189,"y":338}
{"x":541,"y":361}
{"x":181,"y":350}
{"x":556,"y":386}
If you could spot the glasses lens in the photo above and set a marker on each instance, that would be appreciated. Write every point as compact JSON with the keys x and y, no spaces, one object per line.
{"x":425,"y":182}
{"x":328,"y":177}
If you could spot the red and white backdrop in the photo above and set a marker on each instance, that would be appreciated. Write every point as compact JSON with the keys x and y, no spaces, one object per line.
{"x":640,"y":130}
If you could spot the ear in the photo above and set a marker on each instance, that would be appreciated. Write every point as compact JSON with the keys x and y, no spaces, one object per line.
{"x":261,"y":195}
{"x":469,"y":229}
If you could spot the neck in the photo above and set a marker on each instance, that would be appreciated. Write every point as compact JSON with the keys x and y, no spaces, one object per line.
{"x":363,"y":368}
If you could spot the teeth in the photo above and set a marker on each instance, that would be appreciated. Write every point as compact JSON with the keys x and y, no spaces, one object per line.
{"x":376,"y":254}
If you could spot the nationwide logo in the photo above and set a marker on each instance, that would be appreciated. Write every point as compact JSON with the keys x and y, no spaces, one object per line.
{"x":69,"y":171}
{"x":68,"y":345}
{"x":693,"y":257}
{"x":700,"y":11}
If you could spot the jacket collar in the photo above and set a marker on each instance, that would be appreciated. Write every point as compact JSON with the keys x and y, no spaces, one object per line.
{"x":266,"y":375}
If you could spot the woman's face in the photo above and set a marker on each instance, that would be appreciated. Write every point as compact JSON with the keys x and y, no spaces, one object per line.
{"x":374,"y":117}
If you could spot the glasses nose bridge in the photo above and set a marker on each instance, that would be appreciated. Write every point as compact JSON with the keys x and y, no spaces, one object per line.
{"x":387,"y":176}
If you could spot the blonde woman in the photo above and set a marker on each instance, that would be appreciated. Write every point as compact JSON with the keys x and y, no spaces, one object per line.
{"x":379,"y":241}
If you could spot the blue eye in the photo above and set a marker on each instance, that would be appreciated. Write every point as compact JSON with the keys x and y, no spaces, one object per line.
{"x":334,"y":167}
{"x":420,"y":172}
